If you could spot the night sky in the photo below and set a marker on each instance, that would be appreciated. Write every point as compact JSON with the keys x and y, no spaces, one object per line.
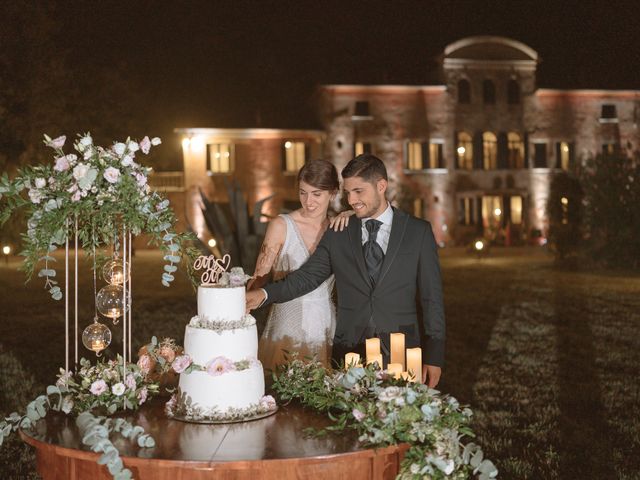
{"x":247,"y":64}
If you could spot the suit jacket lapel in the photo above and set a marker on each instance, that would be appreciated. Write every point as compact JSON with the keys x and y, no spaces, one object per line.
{"x":355,"y":238}
{"x":398,"y":227}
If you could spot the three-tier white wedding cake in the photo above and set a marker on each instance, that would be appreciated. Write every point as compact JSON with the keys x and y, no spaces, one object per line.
{"x":221,"y":378}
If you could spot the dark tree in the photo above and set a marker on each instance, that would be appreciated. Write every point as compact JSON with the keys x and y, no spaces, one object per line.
{"x":565,"y":213}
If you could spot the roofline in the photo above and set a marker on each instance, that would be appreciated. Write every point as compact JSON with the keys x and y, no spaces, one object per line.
{"x":250,"y":133}
{"x":387,"y":88}
{"x":464,"y":42}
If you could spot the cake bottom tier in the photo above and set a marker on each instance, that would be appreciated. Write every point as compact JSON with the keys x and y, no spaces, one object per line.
{"x":232,"y":390}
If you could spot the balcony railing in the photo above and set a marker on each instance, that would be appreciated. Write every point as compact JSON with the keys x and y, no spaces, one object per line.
{"x":167,"y":181}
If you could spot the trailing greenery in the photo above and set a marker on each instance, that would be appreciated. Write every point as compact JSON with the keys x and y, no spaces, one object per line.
{"x":387,"y":411}
{"x":104,"y":190}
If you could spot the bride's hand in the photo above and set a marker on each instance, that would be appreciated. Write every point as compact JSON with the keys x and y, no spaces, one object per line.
{"x":340,"y":221}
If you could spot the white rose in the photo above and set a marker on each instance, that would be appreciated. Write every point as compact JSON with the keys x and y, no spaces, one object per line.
{"x":111,"y":175}
{"x":155,"y":141}
{"x":35,"y":196}
{"x":119,"y":148}
{"x":86,"y":141}
{"x":80,"y":171}
{"x":126,"y":161}
{"x":118,"y":389}
{"x":40,"y":182}
{"x":133,"y":146}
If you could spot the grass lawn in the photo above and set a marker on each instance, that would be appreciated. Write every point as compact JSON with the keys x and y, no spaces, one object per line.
{"x":548,"y":359}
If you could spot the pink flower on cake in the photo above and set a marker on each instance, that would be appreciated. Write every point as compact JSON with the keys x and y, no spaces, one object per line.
{"x":219,"y":366}
{"x":268,"y":402}
{"x":181,"y":363}
{"x":144,"y":363}
{"x":98,"y":387}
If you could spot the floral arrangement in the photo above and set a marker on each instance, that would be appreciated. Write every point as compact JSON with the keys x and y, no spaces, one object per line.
{"x":388,"y":411}
{"x":234,"y":278}
{"x":215,"y":367}
{"x":104,"y":189}
{"x":106,"y":386}
{"x":109,"y":386}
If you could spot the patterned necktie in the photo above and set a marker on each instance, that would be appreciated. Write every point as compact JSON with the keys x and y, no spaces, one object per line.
{"x":373,"y":254}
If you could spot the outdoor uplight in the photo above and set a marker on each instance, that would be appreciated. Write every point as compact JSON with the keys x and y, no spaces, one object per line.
{"x":461,"y":150}
{"x":564,"y":200}
{"x":6,"y":250}
{"x":287,"y":144}
{"x":497,"y":212}
{"x":479,"y":245}
{"x":212,"y":242}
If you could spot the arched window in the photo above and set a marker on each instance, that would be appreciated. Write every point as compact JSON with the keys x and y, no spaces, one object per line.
{"x":489,"y":151}
{"x":464,"y":91}
{"x":464,"y":151}
{"x":516,"y":150}
{"x":488,"y":92}
{"x":513,"y":92}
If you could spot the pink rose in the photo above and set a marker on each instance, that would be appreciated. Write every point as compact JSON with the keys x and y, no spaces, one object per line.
{"x":145,"y":145}
{"x":144,"y":363}
{"x":76,"y":196}
{"x":98,"y":387}
{"x":219,"y":366}
{"x":167,"y":353}
{"x":130,"y":382}
{"x":141,"y":179}
{"x":181,"y":363}
{"x":62,"y":164}
{"x":358,"y":415}
{"x":268,"y":402}
{"x":111,"y":175}
{"x":142,"y":395}
{"x":57,"y":142}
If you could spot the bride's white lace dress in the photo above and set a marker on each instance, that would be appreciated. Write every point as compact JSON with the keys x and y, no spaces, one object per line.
{"x":305,"y":324}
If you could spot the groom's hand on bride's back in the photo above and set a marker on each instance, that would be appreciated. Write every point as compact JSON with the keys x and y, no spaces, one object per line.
{"x":431,"y":375}
{"x":254,"y":299}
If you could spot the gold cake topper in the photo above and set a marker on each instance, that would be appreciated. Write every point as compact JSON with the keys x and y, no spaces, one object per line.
{"x":214,"y":267}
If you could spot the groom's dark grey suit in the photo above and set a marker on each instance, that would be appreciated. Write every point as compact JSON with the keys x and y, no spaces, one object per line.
{"x":409,"y":280}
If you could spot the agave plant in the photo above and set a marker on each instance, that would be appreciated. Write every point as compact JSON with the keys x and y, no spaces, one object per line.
{"x":238,"y":234}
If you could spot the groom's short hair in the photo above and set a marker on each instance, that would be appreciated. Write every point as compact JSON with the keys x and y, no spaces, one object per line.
{"x":369,"y":167}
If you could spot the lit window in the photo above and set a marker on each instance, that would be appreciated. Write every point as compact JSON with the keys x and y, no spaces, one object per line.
{"x":361,"y":147}
{"x":488,"y":92}
{"x":295,"y":155}
{"x":436,"y":157}
{"x":464,"y":91}
{"x":516,"y":210}
{"x":423,"y":155}
{"x":220,"y":158}
{"x":513,"y":92}
{"x":540,"y":155}
{"x":466,"y":212}
{"x":516,"y":150}
{"x":489,"y":151}
{"x":609,"y":148}
{"x":464,"y":151}
{"x":414,"y":155}
{"x":492,"y":211}
{"x":564,"y":153}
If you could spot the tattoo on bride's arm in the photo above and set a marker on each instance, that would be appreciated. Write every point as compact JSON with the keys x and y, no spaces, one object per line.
{"x":266,"y":259}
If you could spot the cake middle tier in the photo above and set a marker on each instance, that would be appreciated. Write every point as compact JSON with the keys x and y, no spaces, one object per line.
{"x":203,"y":344}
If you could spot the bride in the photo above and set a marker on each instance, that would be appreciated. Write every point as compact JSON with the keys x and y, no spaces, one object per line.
{"x":306,"y":324}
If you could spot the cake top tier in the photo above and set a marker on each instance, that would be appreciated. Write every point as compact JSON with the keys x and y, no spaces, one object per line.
{"x":221,"y":304}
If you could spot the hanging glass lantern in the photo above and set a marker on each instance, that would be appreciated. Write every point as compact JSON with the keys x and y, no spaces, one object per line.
{"x":96,"y":337}
{"x":109,"y":302}
{"x":113,"y":272}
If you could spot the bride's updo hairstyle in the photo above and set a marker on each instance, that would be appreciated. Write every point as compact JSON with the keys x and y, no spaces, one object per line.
{"x":320,"y":174}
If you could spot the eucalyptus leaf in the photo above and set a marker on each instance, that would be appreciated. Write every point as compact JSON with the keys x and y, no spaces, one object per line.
{"x":170,"y":268}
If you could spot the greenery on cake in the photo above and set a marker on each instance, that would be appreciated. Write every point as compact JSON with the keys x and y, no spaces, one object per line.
{"x":388,"y":411}
{"x":217,"y":325}
{"x":181,"y":406}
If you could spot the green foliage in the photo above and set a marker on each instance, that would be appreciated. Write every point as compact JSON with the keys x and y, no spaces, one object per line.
{"x":386,"y":411}
{"x":611,"y":185}
{"x":565,"y":212}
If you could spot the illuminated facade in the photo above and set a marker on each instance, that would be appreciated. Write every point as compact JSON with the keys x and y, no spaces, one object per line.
{"x":474,"y":156}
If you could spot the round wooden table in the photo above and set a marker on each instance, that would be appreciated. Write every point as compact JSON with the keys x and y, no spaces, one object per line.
{"x":271,"y":448}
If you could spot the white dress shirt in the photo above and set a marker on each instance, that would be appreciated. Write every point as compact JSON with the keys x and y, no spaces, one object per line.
{"x":384,"y":233}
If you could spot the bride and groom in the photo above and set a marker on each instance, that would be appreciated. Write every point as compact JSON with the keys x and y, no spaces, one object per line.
{"x":385,"y":265}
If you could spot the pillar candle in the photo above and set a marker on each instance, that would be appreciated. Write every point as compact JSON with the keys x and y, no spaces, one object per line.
{"x":373,"y":346}
{"x":414,"y":363}
{"x":394,"y":369}
{"x":351,"y":359}
{"x":375,"y":358}
{"x":397,"y":348}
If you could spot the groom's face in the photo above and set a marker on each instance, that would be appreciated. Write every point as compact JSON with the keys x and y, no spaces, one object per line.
{"x":366,"y":198}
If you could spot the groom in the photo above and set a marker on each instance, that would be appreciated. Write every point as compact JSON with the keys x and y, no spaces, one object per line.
{"x":385,"y":266}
